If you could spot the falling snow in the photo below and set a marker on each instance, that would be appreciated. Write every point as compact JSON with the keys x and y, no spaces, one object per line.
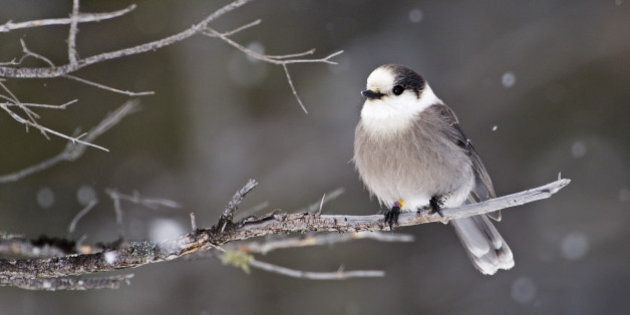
{"x":256,"y":47}
{"x":165,"y":229}
{"x":110,"y":257}
{"x":508,"y":79}
{"x":523,"y":290}
{"x":574,"y":246}
{"x":578,"y":149}
{"x":45,"y":197}
{"x":247,"y":71}
{"x":495,"y":128}
{"x":415,"y":16}
{"x":85,"y":195}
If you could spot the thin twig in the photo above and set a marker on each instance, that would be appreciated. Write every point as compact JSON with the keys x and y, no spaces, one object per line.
{"x":238,"y":29}
{"x":276,"y":60}
{"x":328,"y":197}
{"x":295,"y":94}
{"x":45,"y":130}
{"x":12,"y":62}
{"x":82,"y":18}
{"x":29,"y":53}
{"x":72,"y":33}
{"x":321,"y":240}
{"x":245,"y":261}
{"x":228,"y":212}
{"x":52,"y":72}
{"x":136,"y":198}
{"x":72,"y":151}
{"x":281,"y":60}
{"x":40,"y":105}
{"x":73,"y":224}
{"x":338,"y":275}
{"x":295,"y":55}
{"x":107,"y":88}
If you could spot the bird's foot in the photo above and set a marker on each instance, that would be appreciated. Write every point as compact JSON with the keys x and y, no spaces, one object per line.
{"x":435,"y":204}
{"x":391,"y":215}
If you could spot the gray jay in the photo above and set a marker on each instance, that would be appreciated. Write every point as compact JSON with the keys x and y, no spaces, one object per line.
{"x":412,"y":154}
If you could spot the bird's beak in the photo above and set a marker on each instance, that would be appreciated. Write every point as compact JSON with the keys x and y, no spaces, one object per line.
{"x":371,"y":94}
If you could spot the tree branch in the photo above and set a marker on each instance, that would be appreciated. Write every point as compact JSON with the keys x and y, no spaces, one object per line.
{"x":228,"y":212}
{"x":73,"y":151}
{"x":310,"y":275}
{"x":268,"y":246}
{"x":70,"y":283}
{"x":136,"y":254}
{"x":72,"y":33}
{"x":82,"y":18}
{"x":57,"y":71}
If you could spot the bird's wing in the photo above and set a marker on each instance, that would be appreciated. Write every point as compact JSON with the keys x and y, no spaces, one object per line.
{"x":483,"y":189}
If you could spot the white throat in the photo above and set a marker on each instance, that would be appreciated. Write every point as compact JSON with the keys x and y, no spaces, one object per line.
{"x":392,"y":114}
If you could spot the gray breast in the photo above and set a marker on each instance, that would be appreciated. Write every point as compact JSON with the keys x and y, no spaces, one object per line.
{"x":413,"y":164}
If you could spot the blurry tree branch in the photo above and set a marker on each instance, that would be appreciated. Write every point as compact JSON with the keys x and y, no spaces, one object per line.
{"x":133,"y":254}
{"x":22,"y":112}
{"x":73,"y":151}
{"x":82,"y":18}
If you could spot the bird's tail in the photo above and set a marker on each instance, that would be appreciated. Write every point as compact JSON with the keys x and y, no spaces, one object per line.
{"x":486,"y":248}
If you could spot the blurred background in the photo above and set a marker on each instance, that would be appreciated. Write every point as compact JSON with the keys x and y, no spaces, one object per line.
{"x":541,"y":87}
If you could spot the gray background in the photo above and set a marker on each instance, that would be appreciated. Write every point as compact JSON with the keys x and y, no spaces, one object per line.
{"x":219,"y":118}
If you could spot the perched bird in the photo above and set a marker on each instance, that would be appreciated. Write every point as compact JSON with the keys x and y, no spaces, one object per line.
{"x":412,"y":154}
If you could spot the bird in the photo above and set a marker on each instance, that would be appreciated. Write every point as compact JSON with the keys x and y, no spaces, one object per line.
{"x":411,"y":154}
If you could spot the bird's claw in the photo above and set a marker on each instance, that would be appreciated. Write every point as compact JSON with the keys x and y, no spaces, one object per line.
{"x":435,"y":204}
{"x":391,"y":216}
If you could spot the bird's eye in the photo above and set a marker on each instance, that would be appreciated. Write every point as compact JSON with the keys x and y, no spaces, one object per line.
{"x":398,"y":90}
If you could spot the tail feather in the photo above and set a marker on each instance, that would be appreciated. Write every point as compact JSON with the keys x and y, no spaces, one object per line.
{"x":486,"y":248}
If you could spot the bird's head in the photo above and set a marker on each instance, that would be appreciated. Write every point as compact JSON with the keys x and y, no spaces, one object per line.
{"x":394,"y":96}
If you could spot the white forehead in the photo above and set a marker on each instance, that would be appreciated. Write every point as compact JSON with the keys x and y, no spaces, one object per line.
{"x":380,"y":79}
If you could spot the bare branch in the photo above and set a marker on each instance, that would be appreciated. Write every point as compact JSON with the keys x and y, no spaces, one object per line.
{"x":136,"y":254}
{"x":29,"y":53}
{"x":245,"y":261}
{"x":107,"y":88}
{"x":52,"y":72}
{"x":295,"y":55}
{"x":238,"y":29}
{"x":338,"y":275}
{"x":70,"y":283}
{"x":74,"y":151}
{"x":321,"y":240}
{"x":295,"y":94}
{"x":39,"y":105}
{"x":276,"y":60}
{"x":328,"y":197}
{"x":281,"y":60}
{"x":151,"y":203}
{"x":82,"y":18}
{"x":73,"y":224}
{"x":45,"y":130}
{"x":72,"y":33}
{"x":228,"y":212}
{"x":12,"y":62}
